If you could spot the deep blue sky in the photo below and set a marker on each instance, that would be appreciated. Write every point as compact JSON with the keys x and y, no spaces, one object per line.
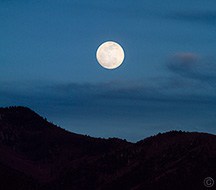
{"x":167,"y":81}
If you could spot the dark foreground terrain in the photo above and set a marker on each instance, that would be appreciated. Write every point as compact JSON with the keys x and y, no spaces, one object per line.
{"x":35,"y":154}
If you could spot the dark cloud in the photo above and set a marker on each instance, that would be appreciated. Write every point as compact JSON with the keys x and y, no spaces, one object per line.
{"x":117,"y":93}
{"x":207,"y":17}
{"x":192,"y":66}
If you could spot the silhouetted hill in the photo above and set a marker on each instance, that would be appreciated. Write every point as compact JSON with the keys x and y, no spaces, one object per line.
{"x":36,"y":154}
{"x":41,"y":150}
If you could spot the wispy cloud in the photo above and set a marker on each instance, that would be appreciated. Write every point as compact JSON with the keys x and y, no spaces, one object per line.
{"x":147,"y":10}
{"x":193,"y":66}
{"x":206,"y":17}
{"x":183,"y":88}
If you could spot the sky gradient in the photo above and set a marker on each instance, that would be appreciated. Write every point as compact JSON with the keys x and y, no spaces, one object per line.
{"x":166,"y":82}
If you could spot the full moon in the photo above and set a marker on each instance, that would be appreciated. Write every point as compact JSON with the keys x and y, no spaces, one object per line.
{"x":110,"y":55}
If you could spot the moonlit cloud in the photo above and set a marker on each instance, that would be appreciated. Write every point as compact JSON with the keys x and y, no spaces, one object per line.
{"x":192,"y":66}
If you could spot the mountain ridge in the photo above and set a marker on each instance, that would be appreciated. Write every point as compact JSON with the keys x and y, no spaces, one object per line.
{"x":43,"y":156}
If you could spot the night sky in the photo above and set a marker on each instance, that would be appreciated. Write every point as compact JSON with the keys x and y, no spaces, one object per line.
{"x":166,"y":82}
